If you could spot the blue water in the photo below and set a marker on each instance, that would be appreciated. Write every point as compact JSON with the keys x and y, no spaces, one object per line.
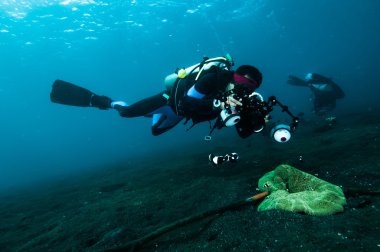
{"x":124,"y":49}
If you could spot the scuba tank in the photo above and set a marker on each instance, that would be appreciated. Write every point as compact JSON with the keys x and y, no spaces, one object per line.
{"x":199,"y":69}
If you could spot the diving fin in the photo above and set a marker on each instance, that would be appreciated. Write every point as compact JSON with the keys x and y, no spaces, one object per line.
{"x":295,"y":81}
{"x":70,"y":94}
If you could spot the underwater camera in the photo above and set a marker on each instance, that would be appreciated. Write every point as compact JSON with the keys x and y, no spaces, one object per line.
{"x":230,"y":117}
{"x":252,"y":103}
{"x":256,"y":108}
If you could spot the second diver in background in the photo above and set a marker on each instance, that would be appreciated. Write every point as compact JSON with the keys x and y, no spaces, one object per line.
{"x":324,"y":90}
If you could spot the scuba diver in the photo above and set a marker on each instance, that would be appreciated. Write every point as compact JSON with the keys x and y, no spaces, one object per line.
{"x":325,"y":92}
{"x":203,"y":92}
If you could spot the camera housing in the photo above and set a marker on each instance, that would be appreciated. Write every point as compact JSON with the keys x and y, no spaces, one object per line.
{"x":230,"y":117}
{"x":254,"y":113}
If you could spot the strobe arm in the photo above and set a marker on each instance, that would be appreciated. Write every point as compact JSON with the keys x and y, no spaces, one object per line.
{"x":272,"y":101}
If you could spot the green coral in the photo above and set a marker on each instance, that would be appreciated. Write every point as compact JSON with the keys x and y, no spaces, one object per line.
{"x":296,"y":191}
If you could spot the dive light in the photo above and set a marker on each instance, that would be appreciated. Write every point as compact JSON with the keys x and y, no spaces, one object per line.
{"x":281,"y":133}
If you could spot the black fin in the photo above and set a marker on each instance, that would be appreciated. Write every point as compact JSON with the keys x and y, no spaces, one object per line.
{"x":69,"y":94}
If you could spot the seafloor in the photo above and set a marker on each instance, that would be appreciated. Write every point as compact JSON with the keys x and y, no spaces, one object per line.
{"x":109,"y":207}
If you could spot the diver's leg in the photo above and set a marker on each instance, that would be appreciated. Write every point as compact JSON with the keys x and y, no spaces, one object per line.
{"x":318,"y":105}
{"x":164,"y":119}
{"x":143,"y":107}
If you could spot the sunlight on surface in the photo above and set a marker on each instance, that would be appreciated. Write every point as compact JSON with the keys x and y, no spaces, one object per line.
{"x":67,"y":2}
{"x":67,"y":21}
{"x":19,"y":9}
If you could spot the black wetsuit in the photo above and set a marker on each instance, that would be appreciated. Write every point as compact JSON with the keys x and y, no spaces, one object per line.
{"x":325,"y":93}
{"x":196,"y":104}
{"x":190,"y":100}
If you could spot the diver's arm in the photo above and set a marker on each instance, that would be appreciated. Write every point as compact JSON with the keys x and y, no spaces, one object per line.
{"x":194,"y":100}
{"x":201,"y":96}
{"x":189,"y":105}
{"x":210,"y":82}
